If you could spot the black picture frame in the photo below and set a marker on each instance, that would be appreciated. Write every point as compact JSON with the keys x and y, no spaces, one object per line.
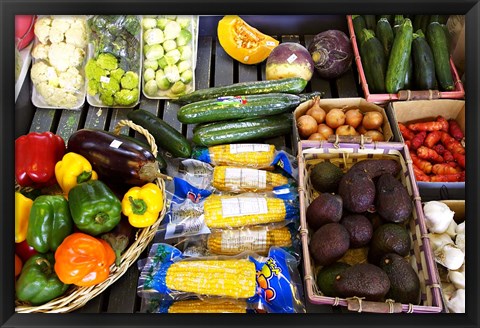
{"x":246,"y":7}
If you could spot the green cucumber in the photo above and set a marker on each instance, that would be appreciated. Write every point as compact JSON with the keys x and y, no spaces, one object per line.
{"x":370,"y":21}
{"x":384,"y":33}
{"x":374,"y":62}
{"x":358,"y":25}
{"x":424,"y":66}
{"x":243,"y":130}
{"x":238,"y":107}
{"x":165,"y":135}
{"x":293,"y":85}
{"x":438,"y":42}
{"x":399,"y":57}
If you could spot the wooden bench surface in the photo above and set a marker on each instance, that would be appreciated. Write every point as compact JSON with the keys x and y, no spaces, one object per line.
{"x":214,"y":68}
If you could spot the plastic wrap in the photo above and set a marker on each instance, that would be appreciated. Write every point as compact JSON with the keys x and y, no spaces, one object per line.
{"x":156,"y":305}
{"x":271,"y":283}
{"x":258,"y":156}
{"x":169,"y":56}
{"x":114,"y":61}
{"x":59,"y":54}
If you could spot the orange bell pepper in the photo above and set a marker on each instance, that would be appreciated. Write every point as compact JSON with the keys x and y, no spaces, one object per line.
{"x":22,"y":214}
{"x":83,"y":260}
{"x":18,"y":265}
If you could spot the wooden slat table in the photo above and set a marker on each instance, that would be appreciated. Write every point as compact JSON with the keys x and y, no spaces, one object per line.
{"x":214,"y":68}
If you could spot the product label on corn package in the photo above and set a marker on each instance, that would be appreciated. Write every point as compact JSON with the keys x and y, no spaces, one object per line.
{"x":248,"y":240}
{"x":244,"y":206}
{"x":185,"y":219}
{"x":232,"y":100}
{"x":245,"y":178}
{"x":248,"y":148}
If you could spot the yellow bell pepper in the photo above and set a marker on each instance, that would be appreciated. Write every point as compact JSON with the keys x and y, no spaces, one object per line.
{"x":142,"y":205}
{"x":22,"y":214}
{"x":72,"y":170}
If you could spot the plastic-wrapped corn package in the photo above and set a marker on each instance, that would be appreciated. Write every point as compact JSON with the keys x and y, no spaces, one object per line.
{"x":194,"y":306}
{"x":258,"y":156}
{"x":271,"y":283}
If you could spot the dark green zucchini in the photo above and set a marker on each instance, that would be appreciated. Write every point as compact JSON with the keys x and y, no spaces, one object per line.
{"x":399,"y":57}
{"x":384,"y":33}
{"x":423,"y":63}
{"x":442,"y":19}
{"x":358,"y":25}
{"x":397,"y":21}
{"x":425,"y":22}
{"x":437,"y":40}
{"x":374,"y":62}
{"x":389,"y":18}
{"x":238,"y":107}
{"x":165,"y":136}
{"x":293,"y":85}
{"x":243,"y":130}
{"x":417,"y":22}
{"x":409,"y":76}
{"x":448,"y":36}
{"x":370,"y":21}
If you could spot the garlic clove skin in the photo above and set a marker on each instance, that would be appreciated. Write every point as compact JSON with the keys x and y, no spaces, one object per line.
{"x":439,"y":239}
{"x":456,"y":303}
{"x":460,"y":241}
{"x":449,"y":256}
{"x":457,"y":278}
{"x":460,"y":228}
{"x":448,"y":289}
{"x":438,"y":216}
{"x":452,"y":229}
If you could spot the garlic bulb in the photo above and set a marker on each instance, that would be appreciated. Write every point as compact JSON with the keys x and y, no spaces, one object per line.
{"x":456,"y":303}
{"x":460,"y":241}
{"x":438,"y":240}
{"x":448,"y":289}
{"x":438,"y":216}
{"x":457,"y":278}
{"x":460,"y":228}
{"x":449,"y":256}
{"x":452,"y":229}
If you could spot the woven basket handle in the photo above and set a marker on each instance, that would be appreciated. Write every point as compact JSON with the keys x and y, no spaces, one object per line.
{"x":146,"y":134}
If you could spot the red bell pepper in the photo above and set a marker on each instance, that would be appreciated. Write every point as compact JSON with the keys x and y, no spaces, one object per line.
{"x":24,"y":250}
{"x":35,"y":157}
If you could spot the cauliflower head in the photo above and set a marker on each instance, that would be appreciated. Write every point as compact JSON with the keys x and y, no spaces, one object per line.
{"x":126,"y":97}
{"x":71,"y":80}
{"x":42,"y":29}
{"x":129,"y":80}
{"x":77,"y":58}
{"x":76,"y":36}
{"x":40,"y":51}
{"x":56,"y":35}
{"x":107,"y":61}
{"x":38,"y":73}
{"x":62,"y":23}
{"x":56,"y":96}
{"x":59,"y":55}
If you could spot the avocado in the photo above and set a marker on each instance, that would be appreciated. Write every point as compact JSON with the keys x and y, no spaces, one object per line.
{"x":404,"y":281}
{"x":389,"y":238}
{"x":326,"y":208}
{"x":325,"y":177}
{"x":362,"y":280}
{"x":329,"y":243}
{"x":393,"y":202}
{"x":359,"y":228}
{"x":377,"y":167}
{"x":357,"y":190}
{"x":326,"y":277}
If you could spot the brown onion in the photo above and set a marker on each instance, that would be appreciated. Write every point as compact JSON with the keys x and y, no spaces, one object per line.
{"x":375,"y":134}
{"x":325,"y":130}
{"x":335,"y":117}
{"x":372,"y":120}
{"x":353,"y":117}
{"x":317,"y":136}
{"x":346,"y":130}
{"x":306,"y":125}
{"x":317,"y":112}
{"x":361,"y":129}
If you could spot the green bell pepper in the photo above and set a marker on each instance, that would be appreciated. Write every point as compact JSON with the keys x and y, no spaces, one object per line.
{"x":95,"y":208}
{"x":38,"y":283}
{"x":49,"y":223}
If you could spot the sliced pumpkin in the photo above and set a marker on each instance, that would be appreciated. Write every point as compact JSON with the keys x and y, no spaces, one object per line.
{"x":242,"y":42}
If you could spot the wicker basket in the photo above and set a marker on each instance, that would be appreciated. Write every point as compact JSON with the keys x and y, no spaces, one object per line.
{"x":421,"y":257}
{"x":76,"y":297}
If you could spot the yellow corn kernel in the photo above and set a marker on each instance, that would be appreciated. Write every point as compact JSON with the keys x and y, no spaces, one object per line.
{"x":208,"y":306}
{"x":256,"y":239}
{"x":229,"y":178}
{"x":256,"y":156}
{"x":233,"y":212}
{"x":228,"y":278}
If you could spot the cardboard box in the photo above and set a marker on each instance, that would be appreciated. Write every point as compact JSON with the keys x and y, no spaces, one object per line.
{"x":344,"y":103}
{"x":422,"y":111}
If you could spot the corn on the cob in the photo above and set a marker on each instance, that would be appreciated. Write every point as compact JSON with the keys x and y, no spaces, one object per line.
{"x":227,"y":278}
{"x":256,"y":239}
{"x":228,"y":178}
{"x":208,"y":306}
{"x":245,"y":155}
{"x":233,"y":212}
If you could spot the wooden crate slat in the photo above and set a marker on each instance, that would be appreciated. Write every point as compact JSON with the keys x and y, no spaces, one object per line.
{"x":119,"y":114}
{"x":346,"y":85}
{"x":149,"y":105}
{"x":123,"y":294}
{"x":95,"y":305}
{"x":202,"y":71}
{"x":69,"y":123}
{"x":247,"y":73}
{"x":223,"y":67}
{"x":170,"y":115}
{"x":317,"y":83}
{"x":96,"y":118}
{"x":43,"y":120}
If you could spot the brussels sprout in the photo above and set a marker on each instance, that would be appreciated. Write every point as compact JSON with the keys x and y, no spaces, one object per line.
{"x":184,"y":37}
{"x":187,"y":76}
{"x":172,"y":30}
{"x":184,"y":65}
{"x":162,"y":82}
{"x":153,"y":36}
{"x":149,"y":74}
{"x":155,"y":52}
{"x":162,"y":62}
{"x":151,"y":87}
{"x":172,"y":57}
{"x":169,"y":45}
{"x":149,"y":23}
{"x":184,"y":21}
{"x":178,"y":87}
{"x":186,"y":52}
{"x":162,"y":22}
{"x":150,"y":63}
{"x":172,"y":74}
